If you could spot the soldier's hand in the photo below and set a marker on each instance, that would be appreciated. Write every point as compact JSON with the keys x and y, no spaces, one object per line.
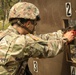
{"x":69,"y":35}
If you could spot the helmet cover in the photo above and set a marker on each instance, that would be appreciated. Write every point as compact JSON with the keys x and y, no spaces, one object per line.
{"x":24,"y":10}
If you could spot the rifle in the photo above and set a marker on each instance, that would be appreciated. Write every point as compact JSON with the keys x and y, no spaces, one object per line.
{"x":71,"y":25}
{"x":72,"y":45}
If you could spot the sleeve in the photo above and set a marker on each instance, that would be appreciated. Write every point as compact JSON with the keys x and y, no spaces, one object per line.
{"x":38,"y":47}
{"x":53,"y":35}
{"x":45,"y":49}
{"x":47,"y":45}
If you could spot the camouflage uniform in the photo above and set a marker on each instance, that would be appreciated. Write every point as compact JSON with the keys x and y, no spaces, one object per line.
{"x":15,"y":48}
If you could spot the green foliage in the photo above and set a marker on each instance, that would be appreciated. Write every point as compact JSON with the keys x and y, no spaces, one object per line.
{"x":5,"y":26}
{"x":0,"y":11}
{"x":1,"y":16}
{"x":5,"y":6}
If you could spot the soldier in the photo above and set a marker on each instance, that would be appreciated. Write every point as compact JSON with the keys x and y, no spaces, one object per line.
{"x":17,"y":42}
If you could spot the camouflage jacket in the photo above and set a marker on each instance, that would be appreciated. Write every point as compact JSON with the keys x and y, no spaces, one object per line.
{"x":15,"y":47}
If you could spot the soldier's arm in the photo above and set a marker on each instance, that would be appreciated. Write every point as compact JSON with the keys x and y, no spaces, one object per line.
{"x":69,"y":35}
{"x":55,"y":43}
{"x":37,"y":47}
{"x":45,"y":47}
{"x":53,"y":35}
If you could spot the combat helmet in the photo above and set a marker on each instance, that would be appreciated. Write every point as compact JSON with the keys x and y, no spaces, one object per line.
{"x":24,"y":10}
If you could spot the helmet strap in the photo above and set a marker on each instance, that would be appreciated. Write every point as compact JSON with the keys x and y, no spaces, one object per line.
{"x":28,"y":29}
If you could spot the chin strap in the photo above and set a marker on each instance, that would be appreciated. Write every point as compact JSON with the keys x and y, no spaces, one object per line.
{"x":29,"y":29}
